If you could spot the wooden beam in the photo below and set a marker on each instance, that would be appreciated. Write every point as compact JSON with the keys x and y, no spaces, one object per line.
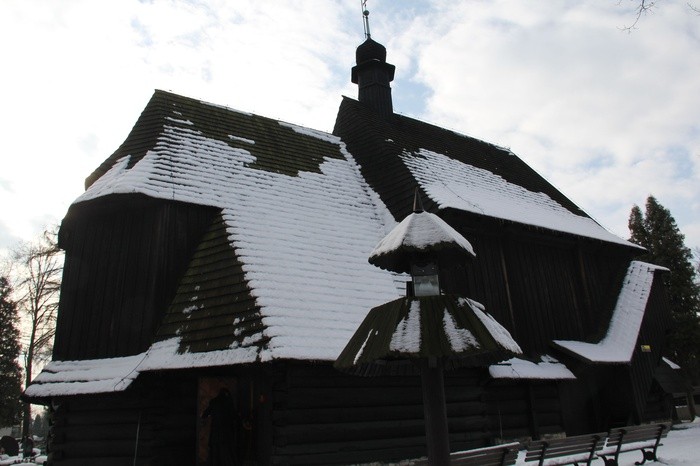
{"x":436,"y":432}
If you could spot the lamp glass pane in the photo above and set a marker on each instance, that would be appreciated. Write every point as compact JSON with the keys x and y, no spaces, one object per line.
{"x":426,"y":285}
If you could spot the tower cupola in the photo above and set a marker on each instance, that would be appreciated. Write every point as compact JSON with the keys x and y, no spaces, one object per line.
{"x":373,"y":74}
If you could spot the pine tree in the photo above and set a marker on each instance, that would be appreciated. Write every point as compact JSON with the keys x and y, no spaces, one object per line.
{"x":11,"y":379}
{"x":40,"y":424}
{"x":657,"y":231}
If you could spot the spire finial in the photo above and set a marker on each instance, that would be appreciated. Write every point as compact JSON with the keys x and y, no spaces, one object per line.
{"x":365,"y":18}
{"x":417,"y":202}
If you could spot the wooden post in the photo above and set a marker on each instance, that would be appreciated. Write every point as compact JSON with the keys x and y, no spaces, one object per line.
{"x":435,"y":412}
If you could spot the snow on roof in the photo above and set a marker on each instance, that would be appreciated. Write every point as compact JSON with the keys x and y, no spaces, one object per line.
{"x":421,"y":230}
{"x":619,"y":343}
{"x":60,"y":378}
{"x":517,"y":368}
{"x":64,"y":378}
{"x":303,"y":240}
{"x":454,"y":184}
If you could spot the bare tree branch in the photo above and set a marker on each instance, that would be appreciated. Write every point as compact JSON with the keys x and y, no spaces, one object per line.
{"x":38,"y":267}
{"x":643,"y":7}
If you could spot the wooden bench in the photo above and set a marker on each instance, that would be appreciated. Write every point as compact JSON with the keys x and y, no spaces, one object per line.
{"x":646,"y":438}
{"x":499,"y":455}
{"x":568,"y":450}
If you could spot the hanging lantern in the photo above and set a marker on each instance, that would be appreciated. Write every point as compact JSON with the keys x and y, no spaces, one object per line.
{"x":425,"y":277}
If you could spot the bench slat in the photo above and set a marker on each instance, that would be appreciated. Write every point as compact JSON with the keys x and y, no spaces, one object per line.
{"x":569,"y":444}
{"x":580,"y":448}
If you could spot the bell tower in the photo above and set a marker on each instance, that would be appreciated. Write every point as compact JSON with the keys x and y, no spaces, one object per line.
{"x":373,"y":74}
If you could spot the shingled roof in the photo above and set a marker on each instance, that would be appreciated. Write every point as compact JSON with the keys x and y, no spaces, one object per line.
{"x":456,"y":172}
{"x":294,"y":212}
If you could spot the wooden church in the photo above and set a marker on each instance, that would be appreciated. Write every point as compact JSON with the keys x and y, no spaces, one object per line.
{"x":218,"y":253}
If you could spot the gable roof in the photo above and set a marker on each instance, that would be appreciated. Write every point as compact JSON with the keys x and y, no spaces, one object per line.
{"x":457,"y":172}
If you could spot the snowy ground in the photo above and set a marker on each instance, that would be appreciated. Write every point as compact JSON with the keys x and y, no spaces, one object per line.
{"x":5,"y":460}
{"x":681,"y":448}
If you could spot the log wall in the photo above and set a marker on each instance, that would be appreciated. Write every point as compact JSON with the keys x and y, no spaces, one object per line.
{"x":321,"y":416}
{"x":540,"y":288}
{"x":153,"y":424}
{"x":523,"y":409}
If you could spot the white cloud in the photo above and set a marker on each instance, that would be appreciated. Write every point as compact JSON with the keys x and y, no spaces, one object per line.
{"x":608,"y":117}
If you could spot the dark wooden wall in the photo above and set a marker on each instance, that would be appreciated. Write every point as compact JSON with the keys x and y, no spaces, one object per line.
{"x":150,"y":424}
{"x":653,"y":332}
{"x":321,"y":416}
{"x":521,"y":409}
{"x":124,"y":258}
{"x":539,"y":286}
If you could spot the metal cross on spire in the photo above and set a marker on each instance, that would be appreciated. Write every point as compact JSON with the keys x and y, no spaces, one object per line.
{"x":365,"y":18}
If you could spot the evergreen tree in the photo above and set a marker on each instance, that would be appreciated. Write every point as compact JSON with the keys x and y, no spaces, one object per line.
{"x":40,"y":425}
{"x":657,"y":231}
{"x":11,"y":379}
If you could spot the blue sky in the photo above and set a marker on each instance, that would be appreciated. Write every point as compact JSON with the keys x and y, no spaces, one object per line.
{"x":607,"y":116}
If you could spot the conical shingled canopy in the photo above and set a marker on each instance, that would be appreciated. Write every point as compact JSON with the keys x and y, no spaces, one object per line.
{"x":421,"y":234}
{"x":454,"y":329}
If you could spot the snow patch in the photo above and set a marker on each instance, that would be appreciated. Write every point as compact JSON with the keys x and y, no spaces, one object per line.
{"x":499,"y":333}
{"x":671,"y":364}
{"x":362,"y":348}
{"x":460,"y":338}
{"x":240,"y":139}
{"x":406,"y":337}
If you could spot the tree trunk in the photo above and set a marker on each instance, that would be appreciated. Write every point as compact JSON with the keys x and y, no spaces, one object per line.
{"x":28,"y":361}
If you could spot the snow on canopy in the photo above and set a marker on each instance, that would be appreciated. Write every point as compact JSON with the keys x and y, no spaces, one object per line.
{"x":407,"y":338}
{"x":421,"y":231}
{"x":454,"y":184}
{"x":619,"y":343}
{"x":303,"y":240}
